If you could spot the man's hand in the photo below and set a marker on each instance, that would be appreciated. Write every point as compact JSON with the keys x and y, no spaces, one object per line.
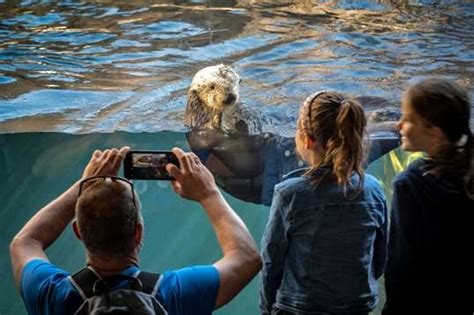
{"x":48,"y":223}
{"x":105,"y":163}
{"x":193,"y":180}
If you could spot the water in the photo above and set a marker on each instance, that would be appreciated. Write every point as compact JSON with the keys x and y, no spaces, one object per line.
{"x":102,"y":66}
{"x":36,"y":167}
{"x":110,"y":73}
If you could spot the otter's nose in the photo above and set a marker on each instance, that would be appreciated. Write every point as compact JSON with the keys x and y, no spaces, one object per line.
{"x":230,"y":98}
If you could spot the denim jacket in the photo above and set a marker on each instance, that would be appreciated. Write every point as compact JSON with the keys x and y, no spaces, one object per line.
{"x":322,"y":252}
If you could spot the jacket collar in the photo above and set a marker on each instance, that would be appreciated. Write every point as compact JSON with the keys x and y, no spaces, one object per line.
{"x":300,"y":172}
{"x":296,"y":173}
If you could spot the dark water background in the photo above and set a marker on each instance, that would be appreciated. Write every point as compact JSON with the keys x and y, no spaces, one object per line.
{"x":106,"y":66}
{"x":37,"y":167}
{"x":95,"y":66}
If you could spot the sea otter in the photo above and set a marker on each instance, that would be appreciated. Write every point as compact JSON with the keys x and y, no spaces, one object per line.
{"x":247,"y":162}
{"x":214,"y":103}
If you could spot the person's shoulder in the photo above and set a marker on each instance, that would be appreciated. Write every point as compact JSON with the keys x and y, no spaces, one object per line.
{"x":37,"y":263}
{"x":293,"y":182}
{"x":190,"y":290}
{"x":204,"y":271}
{"x":40,"y":270}
{"x":417,"y":166}
{"x":414,"y":172}
{"x":193,"y":276}
{"x":43,"y":282}
{"x":373,"y":185}
{"x":372,"y":181}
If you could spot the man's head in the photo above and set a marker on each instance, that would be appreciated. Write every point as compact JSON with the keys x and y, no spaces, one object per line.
{"x":108,"y":217}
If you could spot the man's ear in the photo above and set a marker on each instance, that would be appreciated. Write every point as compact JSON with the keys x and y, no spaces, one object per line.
{"x":138,"y":235}
{"x":76,"y":230}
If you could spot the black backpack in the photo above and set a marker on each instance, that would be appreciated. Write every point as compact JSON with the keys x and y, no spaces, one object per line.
{"x":138,"y":296}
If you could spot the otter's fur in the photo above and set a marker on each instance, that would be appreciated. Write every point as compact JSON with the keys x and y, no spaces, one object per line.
{"x":214,"y":103}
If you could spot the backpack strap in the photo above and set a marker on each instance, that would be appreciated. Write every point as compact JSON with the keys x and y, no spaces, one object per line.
{"x":84,"y":281}
{"x":150,"y":282}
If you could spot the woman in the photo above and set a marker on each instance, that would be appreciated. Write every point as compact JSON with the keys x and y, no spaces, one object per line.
{"x":430,"y":265}
{"x":325,"y":243}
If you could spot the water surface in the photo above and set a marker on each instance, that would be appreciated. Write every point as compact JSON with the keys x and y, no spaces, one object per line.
{"x":117,"y":73}
{"x":101,"y":66}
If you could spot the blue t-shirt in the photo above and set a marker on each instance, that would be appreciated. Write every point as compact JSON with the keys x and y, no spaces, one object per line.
{"x":45,"y":289}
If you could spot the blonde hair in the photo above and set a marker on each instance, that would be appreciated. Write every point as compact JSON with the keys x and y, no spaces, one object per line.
{"x":338,"y":125}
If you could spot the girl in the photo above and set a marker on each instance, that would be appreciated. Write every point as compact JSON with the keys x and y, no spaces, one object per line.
{"x":325,"y":243}
{"x":430,"y":266}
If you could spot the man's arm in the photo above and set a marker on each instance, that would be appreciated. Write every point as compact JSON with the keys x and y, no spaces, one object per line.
{"x":48,"y":223}
{"x":42,"y":230}
{"x":241,"y":260}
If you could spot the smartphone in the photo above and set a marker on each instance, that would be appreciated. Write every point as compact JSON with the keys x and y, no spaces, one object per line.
{"x":148,"y":165}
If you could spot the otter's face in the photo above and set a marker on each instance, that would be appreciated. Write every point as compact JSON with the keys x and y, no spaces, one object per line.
{"x":216,"y":87}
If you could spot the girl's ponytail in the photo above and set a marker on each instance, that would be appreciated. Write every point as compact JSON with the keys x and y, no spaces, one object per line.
{"x":338,"y":125}
{"x":347,"y":152}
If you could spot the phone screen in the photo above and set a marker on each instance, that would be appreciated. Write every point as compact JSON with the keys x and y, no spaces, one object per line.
{"x":149,"y":165}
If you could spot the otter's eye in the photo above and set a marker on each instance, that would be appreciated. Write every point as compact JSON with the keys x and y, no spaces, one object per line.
{"x":212,"y":86}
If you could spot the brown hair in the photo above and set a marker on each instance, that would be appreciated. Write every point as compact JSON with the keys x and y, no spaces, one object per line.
{"x":107,"y":218}
{"x":338,"y":124}
{"x":445,"y":104}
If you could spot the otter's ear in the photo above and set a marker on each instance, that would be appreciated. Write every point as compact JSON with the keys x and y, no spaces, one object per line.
{"x":193,"y":108}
